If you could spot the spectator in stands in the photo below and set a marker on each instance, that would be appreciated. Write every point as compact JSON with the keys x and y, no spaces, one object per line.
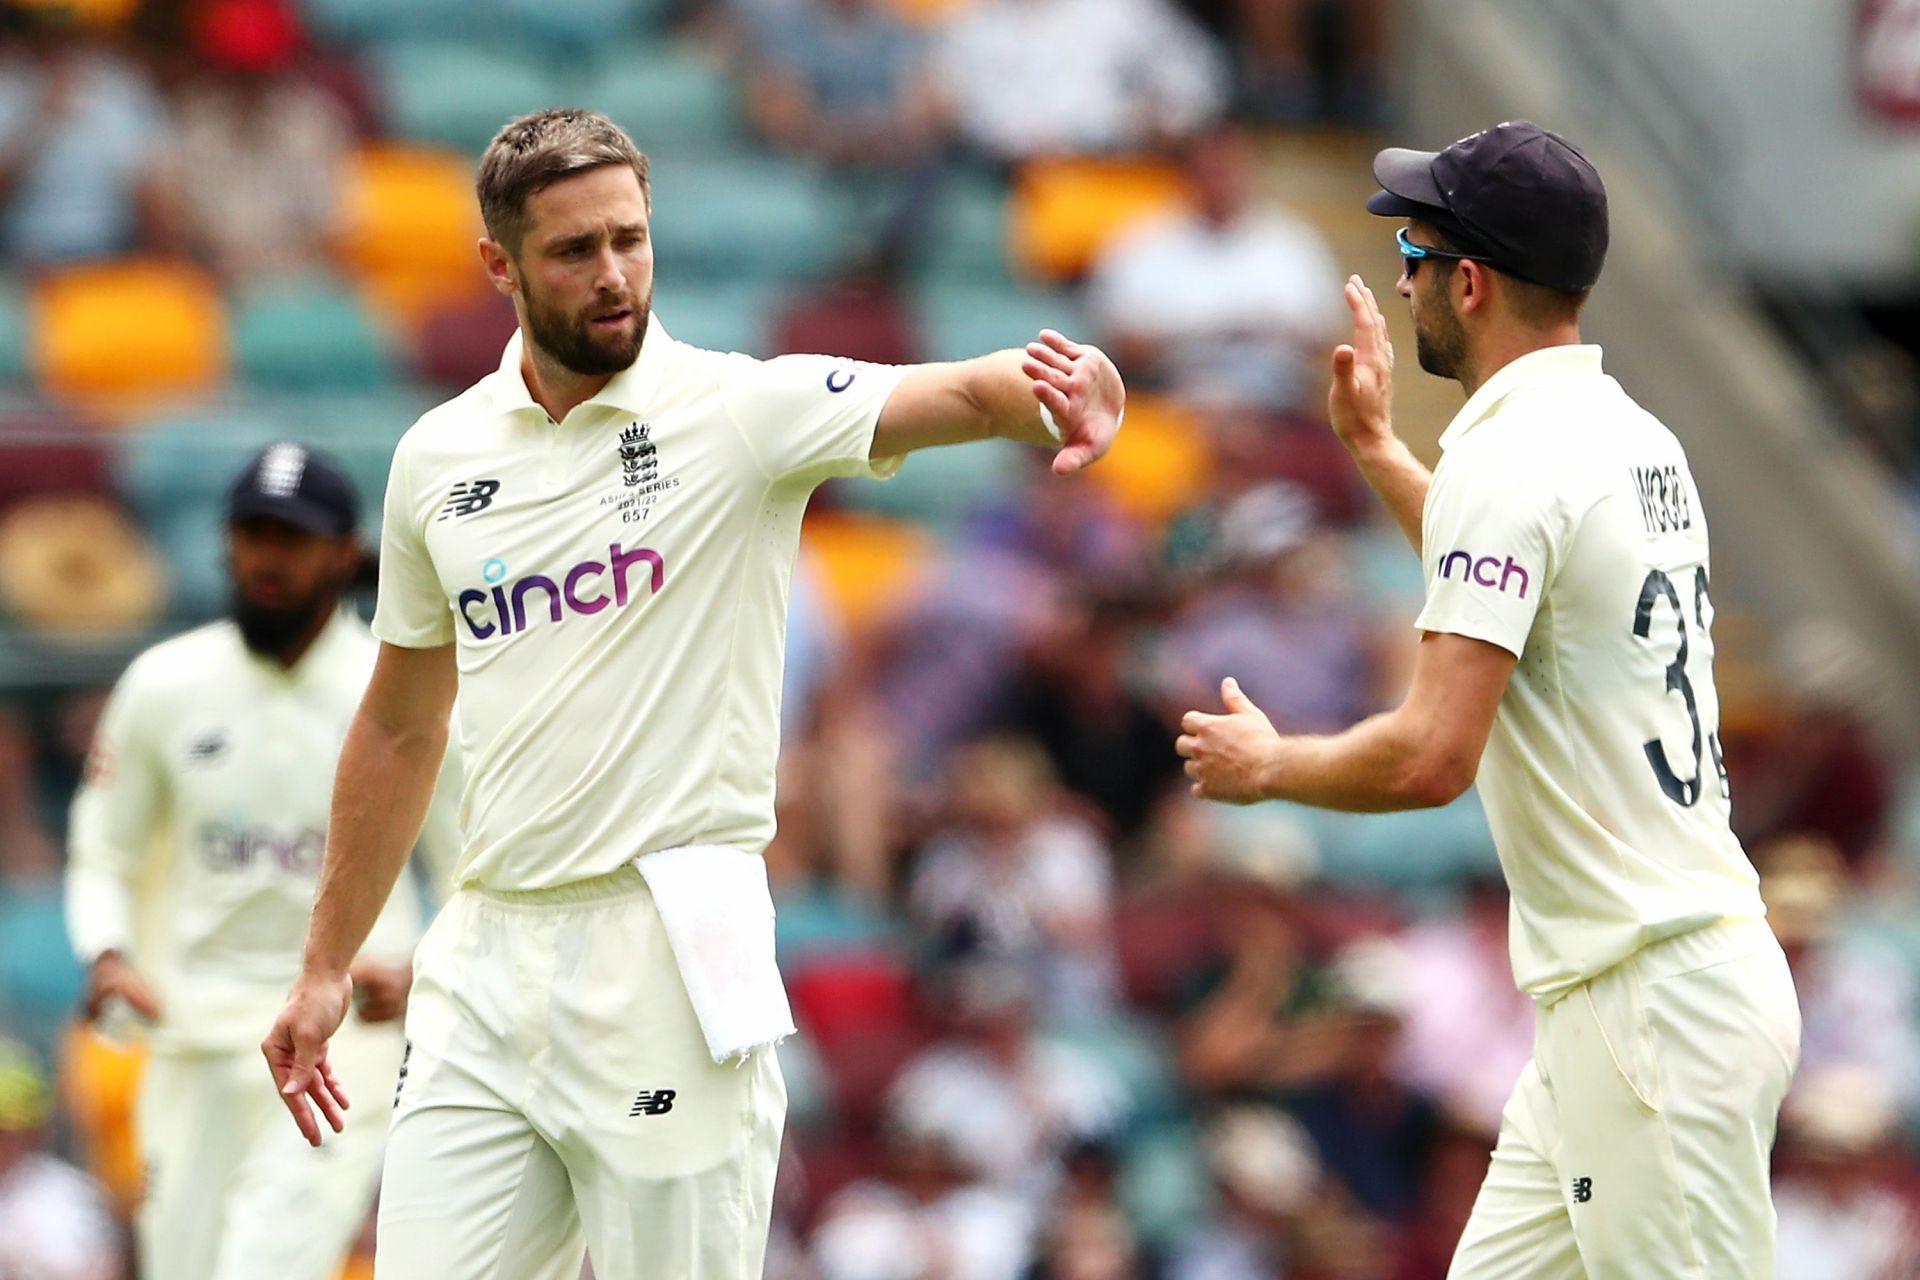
{"x":261,"y":149}
{"x":1266,"y":1178}
{"x":54,"y":1220}
{"x":38,"y":984}
{"x":1839,"y":1192}
{"x":1857,"y":996}
{"x":1229,"y":301}
{"x":1021,"y":878}
{"x":1089,"y":1235}
{"x":1028,"y":78}
{"x":1302,"y":60}
{"x":1007,"y":1101}
{"x":82,"y":137}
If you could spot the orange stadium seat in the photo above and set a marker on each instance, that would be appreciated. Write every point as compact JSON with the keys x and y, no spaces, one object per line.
{"x":1161,"y":463}
{"x":1065,"y":211}
{"x":928,"y":13}
{"x":101,"y":1085}
{"x":130,"y":329}
{"x":411,"y":225}
{"x":869,"y":567}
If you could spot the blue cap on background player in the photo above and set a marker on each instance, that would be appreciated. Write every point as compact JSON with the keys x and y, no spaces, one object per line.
{"x":292,"y":483}
{"x":1520,"y":198}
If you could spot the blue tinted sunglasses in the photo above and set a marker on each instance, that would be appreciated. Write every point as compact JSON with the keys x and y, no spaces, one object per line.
{"x":1411,"y":253}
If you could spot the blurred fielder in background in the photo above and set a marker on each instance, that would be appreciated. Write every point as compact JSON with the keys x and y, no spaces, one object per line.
{"x":1567,"y":657}
{"x":198,"y":837}
{"x":593,"y":547}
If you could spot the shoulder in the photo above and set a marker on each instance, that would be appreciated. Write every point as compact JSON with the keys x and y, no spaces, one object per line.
{"x":184,"y":662}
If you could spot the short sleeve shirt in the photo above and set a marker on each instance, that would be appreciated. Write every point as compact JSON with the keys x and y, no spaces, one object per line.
{"x":616,"y":587}
{"x":1564,"y":526}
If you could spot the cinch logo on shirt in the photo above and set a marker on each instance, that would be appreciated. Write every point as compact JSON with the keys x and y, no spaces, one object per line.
{"x":227,"y":847}
{"x":508,"y":612}
{"x":1485,"y":571}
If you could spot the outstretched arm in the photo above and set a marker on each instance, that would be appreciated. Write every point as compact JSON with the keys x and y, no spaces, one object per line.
{"x":381,"y":787}
{"x":1360,"y":405}
{"x":1420,"y":755}
{"x":1002,"y":395}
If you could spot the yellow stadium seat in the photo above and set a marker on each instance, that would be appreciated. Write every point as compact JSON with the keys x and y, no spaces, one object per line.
{"x":1161,"y":463}
{"x":411,"y":223}
{"x":868,"y":567}
{"x":127,"y":330}
{"x":101,"y":1085}
{"x":1065,"y":211}
{"x":927,"y":13}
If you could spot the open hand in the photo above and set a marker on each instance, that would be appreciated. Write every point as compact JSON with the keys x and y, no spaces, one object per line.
{"x":1229,"y":757}
{"x":1360,"y":402}
{"x":1082,"y":389}
{"x":296,"y":1052}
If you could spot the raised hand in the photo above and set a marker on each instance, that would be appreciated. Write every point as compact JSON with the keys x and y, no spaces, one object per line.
{"x":1360,"y":402}
{"x":1229,"y":757}
{"x":1082,"y":389}
{"x":296,"y":1052}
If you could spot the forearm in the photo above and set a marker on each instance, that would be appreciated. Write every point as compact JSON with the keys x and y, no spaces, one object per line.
{"x":997,"y":400}
{"x":380,"y":794}
{"x":1381,"y":765}
{"x":99,"y":908}
{"x":1392,"y":472}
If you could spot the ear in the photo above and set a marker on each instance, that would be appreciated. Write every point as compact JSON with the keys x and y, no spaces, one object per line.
{"x":499,"y":265}
{"x":1475,"y":284}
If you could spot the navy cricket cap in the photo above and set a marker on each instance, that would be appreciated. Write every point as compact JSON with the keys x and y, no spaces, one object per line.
{"x":1519,"y":197}
{"x":292,"y":483}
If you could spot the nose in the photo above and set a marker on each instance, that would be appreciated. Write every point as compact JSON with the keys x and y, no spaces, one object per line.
{"x":1404,"y":285}
{"x":611,"y":277}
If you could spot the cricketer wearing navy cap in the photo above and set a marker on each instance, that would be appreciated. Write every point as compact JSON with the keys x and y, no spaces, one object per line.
{"x":293,"y":547}
{"x":1565,"y":668}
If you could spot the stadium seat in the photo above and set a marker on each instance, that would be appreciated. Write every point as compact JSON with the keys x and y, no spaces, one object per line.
{"x":1066,"y":211}
{"x":723,"y":316}
{"x":929,"y":13}
{"x":188,"y":458}
{"x":1161,"y":460}
{"x":968,"y":233}
{"x":360,"y":431}
{"x":128,"y":329}
{"x":673,"y":101}
{"x":309,"y":335}
{"x":100,"y":1085}
{"x":373,"y":21}
{"x":940,"y":488}
{"x":14,"y":365}
{"x":411,"y":224}
{"x":965,"y":320}
{"x":868,"y":568}
{"x":578,"y":26}
{"x":741,"y":218}
{"x":45,"y":451}
{"x":455,"y":94}
{"x":73,"y":565}
{"x":460,"y":342}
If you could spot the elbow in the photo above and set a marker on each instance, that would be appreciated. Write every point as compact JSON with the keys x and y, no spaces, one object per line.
{"x":1437,"y":776}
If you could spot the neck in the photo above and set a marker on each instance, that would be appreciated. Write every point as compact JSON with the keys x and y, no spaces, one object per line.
{"x":553,"y":386}
{"x":1494,"y":351}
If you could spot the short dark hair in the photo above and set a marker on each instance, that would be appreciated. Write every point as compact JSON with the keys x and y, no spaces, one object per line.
{"x":535,"y":151}
{"x":1536,"y":305}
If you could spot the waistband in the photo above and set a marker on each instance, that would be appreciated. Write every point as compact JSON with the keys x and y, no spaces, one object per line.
{"x":619,"y":883}
{"x":1711,"y":944}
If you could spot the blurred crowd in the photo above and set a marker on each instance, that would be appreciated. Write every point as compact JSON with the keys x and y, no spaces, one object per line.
{"x":1058,"y":1020}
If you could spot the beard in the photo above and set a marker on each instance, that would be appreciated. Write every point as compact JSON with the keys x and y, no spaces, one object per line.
{"x":272,"y":630}
{"x":1439,"y":340}
{"x":571,"y":342}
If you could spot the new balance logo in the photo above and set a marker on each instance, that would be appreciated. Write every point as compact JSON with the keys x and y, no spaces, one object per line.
{"x":406,"y":1056}
{"x":468,"y":497}
{"x":652,"y":1102}
{"x":1582,"y":1190}
{"x":208,"y":748}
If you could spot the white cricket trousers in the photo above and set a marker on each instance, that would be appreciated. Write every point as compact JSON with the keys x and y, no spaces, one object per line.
{"x":558,"y":1097}
{"x":233,"y":1192}
{"x":1636,"y":1145}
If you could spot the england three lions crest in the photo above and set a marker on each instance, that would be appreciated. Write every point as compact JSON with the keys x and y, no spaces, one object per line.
{"x":641,"y":482}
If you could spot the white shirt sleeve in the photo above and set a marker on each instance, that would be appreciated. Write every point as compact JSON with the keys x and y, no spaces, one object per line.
{"x":810,"y":418}
{"x":115,"y":814}
{"x":1491,"y":541}
{"x":413,"y":611}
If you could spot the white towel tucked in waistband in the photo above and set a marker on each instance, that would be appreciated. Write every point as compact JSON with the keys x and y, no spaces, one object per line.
{"x":718,"y":915}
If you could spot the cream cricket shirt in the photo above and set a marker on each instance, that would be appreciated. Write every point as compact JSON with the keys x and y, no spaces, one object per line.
{"x":198,"y":835}
{"x":1564,"y":526}
{"x":616,"y":585}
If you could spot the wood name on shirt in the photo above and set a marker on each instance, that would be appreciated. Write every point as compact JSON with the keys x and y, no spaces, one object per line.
{"x":1663,"y":499}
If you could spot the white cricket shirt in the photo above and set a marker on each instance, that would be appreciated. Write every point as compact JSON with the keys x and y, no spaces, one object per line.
{"x":198,"y":834}
{"x":616,"y":586}
{"x":1564,"y":526}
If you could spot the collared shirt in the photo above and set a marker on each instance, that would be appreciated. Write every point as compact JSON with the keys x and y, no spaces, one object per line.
{"x":198,"y":835}
{"x":616,"y":586}
{"x":1563,"y":525}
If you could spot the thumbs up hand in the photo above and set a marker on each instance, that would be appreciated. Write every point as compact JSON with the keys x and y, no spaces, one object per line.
{"x":1229,"y":757}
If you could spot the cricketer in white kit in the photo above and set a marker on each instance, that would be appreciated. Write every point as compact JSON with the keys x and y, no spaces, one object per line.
{"x":196,"y":845}
{"x":593,"y":545}
{"x":1567,"y":659}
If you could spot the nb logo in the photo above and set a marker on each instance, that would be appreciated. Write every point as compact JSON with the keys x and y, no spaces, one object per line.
{"x":652,"y":1102}
{"x":468,"y":497}
{"x":1582,"y":1190}
{"x":208,"y":748}
{"x":406,"y":1056}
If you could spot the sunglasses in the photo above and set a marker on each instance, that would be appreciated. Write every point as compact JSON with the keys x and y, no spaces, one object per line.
{"x":1411,"y":253}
